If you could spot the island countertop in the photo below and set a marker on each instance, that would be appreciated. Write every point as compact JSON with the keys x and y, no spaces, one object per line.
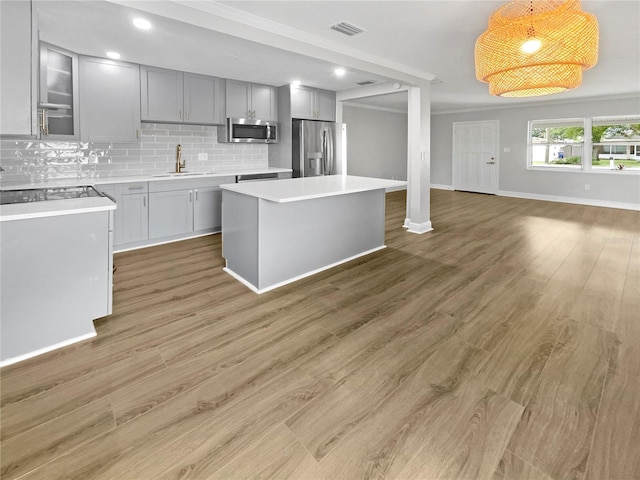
{"x":53,"y":208}
{"x":297,"y":189}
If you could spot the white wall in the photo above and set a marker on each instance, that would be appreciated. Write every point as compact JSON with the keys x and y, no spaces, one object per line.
{"x":620,"y":187}
{"x":376,"y":142}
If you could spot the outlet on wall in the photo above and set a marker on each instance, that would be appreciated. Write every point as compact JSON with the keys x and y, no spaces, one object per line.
{"x":587,"y":186}
{"x":203,"y":156}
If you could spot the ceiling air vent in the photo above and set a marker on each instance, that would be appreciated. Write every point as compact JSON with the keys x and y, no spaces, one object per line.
{"x":347,"y":28}
{"x":366,"y":82}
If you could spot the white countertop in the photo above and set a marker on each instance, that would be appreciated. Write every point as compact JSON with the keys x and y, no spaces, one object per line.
{"x":52,"y":208}
{"x":296,"y":189}
{"x":74,"y":182}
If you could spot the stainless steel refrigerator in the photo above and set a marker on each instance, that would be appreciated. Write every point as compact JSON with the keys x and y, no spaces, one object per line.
{"x":314,"y":147}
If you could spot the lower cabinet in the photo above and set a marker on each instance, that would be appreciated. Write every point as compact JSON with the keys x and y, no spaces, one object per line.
{"x":170,"y":213}
{"x":135,"y":218}
{"x":131,"y":218}
{"x":207,"y":209}
{"x":164,"y":210}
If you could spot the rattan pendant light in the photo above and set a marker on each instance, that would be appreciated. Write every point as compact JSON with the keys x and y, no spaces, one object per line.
{"x":536,"y":47}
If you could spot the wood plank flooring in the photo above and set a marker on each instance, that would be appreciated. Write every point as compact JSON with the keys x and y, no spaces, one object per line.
{"x":505,"y":344}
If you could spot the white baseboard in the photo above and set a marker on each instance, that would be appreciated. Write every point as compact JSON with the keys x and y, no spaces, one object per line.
{"x":439,"y":186}
{"x":298,"y":277}
{"x":40,"y":351}
{"x":418,"y":228}
{"x":574,"y":200}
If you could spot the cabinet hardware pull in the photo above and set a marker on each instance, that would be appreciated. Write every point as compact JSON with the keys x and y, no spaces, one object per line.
{"x":180,"y":114}
{"x":136,"y":188}
{"x":196,"y":195}
{"x":144,"y":202}
{"x":190,"y":196}
{"x":186,"y":114}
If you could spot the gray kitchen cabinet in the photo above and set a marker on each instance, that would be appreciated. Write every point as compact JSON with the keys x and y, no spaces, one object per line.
{"x":179,"y":97}
{"x":131,"y":217}
{"x":170,"y":213}
{"x":109,"y":98}
{"x":161,"y":93}
{"x":313,"y":104}
{"x":207,"y":209}
{"x":150,"y":212}
{"x":302,"y":102}
{"x":17,"y":91}
{"x":250,"y":100}
{"x":202,"y":99}
{"x":135,"y":218}
{"x":178,"y":208}
{"x":326,"y":105}
{"x":58,"y":94}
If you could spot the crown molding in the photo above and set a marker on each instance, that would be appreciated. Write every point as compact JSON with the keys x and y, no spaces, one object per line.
{"x":598,"y":98}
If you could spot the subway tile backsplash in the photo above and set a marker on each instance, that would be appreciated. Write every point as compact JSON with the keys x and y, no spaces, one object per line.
{"x":26,"y":161}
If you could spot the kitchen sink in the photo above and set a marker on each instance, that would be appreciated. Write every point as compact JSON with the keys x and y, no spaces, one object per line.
{"x":181,"y":174}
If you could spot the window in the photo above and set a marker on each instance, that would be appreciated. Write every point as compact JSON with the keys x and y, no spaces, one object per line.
{"x":615,"y":143}
{"x":590,"y":144}
{"x":556,"y":143}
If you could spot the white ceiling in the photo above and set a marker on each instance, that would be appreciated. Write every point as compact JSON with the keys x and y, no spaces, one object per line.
{"x":275,"y":42}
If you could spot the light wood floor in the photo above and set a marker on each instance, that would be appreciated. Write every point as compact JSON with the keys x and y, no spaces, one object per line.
{"x":504,"y":344}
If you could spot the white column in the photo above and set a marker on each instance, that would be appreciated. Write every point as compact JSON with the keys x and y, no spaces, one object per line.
{"x":418,"y":218}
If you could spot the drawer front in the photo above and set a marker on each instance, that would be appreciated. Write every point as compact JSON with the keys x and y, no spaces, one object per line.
{"x":136,"y":187}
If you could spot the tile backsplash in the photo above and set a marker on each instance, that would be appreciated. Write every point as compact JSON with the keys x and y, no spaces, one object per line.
{"x":32,"y":161}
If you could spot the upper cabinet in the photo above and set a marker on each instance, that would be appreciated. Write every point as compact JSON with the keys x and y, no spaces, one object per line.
{"x":203,"y":99}
{"x":17,"y":91}
{"x":250,"y":100}
{"x":161,"y":93}
{"x":109,"y":98}
{"x":313,"y":104}
{"x":178,"y":97}
{"x":58,"y":95}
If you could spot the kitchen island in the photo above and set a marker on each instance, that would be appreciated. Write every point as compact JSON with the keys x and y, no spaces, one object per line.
{"x":56,"y":260}
{"x":274,"y":233}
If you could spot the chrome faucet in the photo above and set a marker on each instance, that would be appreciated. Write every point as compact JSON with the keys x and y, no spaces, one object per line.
{"x":179,"y":165}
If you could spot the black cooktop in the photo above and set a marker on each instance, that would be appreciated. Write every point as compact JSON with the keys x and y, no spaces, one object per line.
{"x":46,"y":194}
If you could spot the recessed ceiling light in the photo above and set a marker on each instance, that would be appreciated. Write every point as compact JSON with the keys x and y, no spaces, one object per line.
{"x":142,"y":24}
{"x":295,"y":83}
{"x":340,"y":72}
{"x":114,"y":55}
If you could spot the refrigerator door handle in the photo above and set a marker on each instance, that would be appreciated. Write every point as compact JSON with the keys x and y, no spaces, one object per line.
{"x":330,"y":151}
{"x":324,"y":152}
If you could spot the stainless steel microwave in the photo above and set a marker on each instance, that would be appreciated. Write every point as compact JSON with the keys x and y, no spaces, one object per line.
{"x":247,"y":130}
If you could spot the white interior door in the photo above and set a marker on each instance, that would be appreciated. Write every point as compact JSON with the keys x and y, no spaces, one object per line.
{"x":475,"y":159}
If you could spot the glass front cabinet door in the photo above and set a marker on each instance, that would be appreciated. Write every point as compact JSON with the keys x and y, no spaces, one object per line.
{"x":58,"y":94}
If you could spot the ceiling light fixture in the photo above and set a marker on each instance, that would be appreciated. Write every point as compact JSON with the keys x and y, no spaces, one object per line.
{"x":295,"y":83}
{"x":340,"y":72}
{"x":142,"y":24}
{"x":113,"y":55}
{"x":536,"y":47}
{"x":531,"y":46}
